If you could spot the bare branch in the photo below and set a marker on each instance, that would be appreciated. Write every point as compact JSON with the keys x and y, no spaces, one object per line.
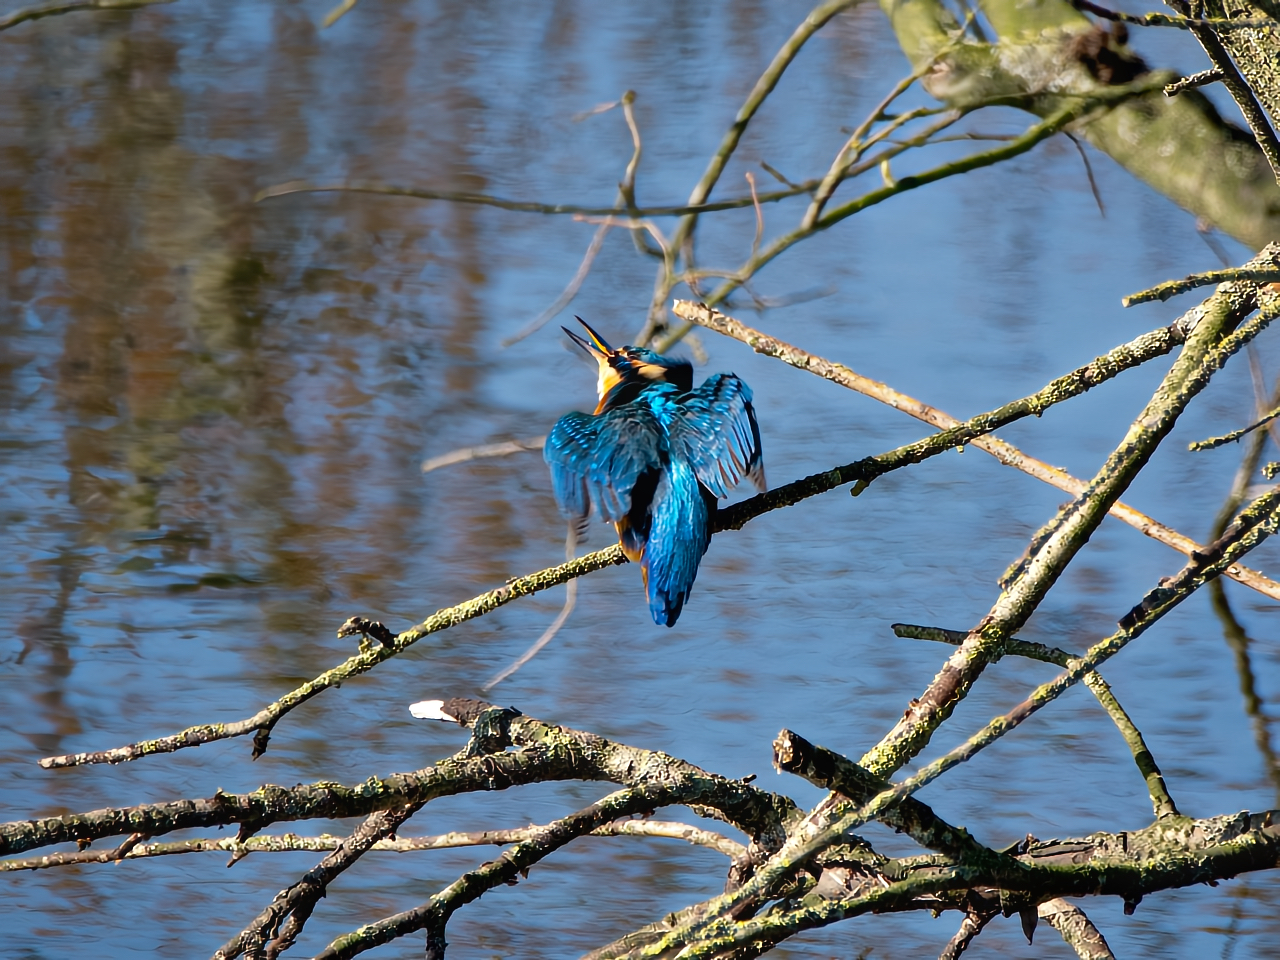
{"x":1005,"y":452}
{"x":292,"y":843}
{"x":483,"y":450}
{"x":570,"y":598}
{"x":1172,"y":288}
{"x":58,"y":7}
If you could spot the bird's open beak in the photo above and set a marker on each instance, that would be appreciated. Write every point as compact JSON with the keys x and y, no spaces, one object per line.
{"x":597,"y":347}
{"x":599,"y":350}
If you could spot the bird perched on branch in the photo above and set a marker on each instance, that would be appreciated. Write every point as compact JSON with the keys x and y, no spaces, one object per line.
{"x":654,"y":457}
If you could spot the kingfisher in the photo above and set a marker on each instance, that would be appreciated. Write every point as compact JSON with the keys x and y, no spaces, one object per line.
{"x":654,"y":457}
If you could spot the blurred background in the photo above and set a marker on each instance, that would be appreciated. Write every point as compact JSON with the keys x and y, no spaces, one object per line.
{"x":214,"y":415}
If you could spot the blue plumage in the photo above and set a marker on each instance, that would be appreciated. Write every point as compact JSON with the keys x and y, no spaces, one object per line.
{"x":654,"y":458}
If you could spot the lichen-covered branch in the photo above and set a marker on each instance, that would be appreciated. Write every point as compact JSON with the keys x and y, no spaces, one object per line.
{"x":1076,"y":929}
{"x":547,"y":753}
{"x":1226,"y":438}
{"x":825,"y":768}
{"x":1181,"y":146}
{"x":1171,"y":288}
{"x":1165,"y":856}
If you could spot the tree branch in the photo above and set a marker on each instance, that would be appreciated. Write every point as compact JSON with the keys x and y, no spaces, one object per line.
{"x":1006,"y":453}
{"x":58,"y":7}
{"x":548,"y":753}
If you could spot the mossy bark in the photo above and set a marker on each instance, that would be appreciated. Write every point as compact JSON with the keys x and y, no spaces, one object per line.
{"x":1048,"y":52}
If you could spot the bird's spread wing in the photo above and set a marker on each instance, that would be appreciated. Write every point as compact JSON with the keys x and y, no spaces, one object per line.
{"x":714,"y":429}
{"x":598,"y":459}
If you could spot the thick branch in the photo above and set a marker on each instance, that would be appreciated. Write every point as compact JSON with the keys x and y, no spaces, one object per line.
{"x":825,"y":768}
{"x":1165,"y":856}
{"x":1179,"y":146}
{"x":548,"y":753}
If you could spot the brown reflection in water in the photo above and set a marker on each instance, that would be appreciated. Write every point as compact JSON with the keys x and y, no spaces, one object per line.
{"x":221,"y":386}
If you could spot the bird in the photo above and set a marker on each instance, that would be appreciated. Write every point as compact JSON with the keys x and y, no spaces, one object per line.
{"x":654,"y":457}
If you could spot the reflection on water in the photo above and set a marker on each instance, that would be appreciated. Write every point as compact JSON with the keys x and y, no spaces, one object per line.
{"x":215,"y":412}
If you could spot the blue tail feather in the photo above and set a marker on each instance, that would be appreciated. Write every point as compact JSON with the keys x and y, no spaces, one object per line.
{"x":679,"y":533}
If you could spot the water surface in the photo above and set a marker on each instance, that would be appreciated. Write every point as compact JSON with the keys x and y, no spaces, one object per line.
{"x":215,"y":412}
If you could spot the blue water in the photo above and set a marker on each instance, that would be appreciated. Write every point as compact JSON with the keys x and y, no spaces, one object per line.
{"x":215,"y":414}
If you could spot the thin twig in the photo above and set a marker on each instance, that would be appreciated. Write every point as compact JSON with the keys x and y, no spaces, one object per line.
{"x":626,"y":196}
{"x":1171,"y":288}
{"x":755,"y":241}
{"x":337,"y":13}
{"x":481,"y":451}
{"x":627,"y":189}
{"x":41,"y":10}
{"x":291,"y":843}
{"x":521,"y":206}
{"x":568,"y":293}
{"x":1088,"y":172}
{"x":570,"y":598}
{"x":1200,"y":79}
{"x":1234,"y":434}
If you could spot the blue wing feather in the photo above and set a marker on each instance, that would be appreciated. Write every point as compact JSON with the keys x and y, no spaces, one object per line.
{"x":714,"y":428}
{"x":598,"y":459}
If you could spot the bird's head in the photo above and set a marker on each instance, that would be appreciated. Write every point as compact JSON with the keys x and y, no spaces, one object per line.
{"x":625,"y":371}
